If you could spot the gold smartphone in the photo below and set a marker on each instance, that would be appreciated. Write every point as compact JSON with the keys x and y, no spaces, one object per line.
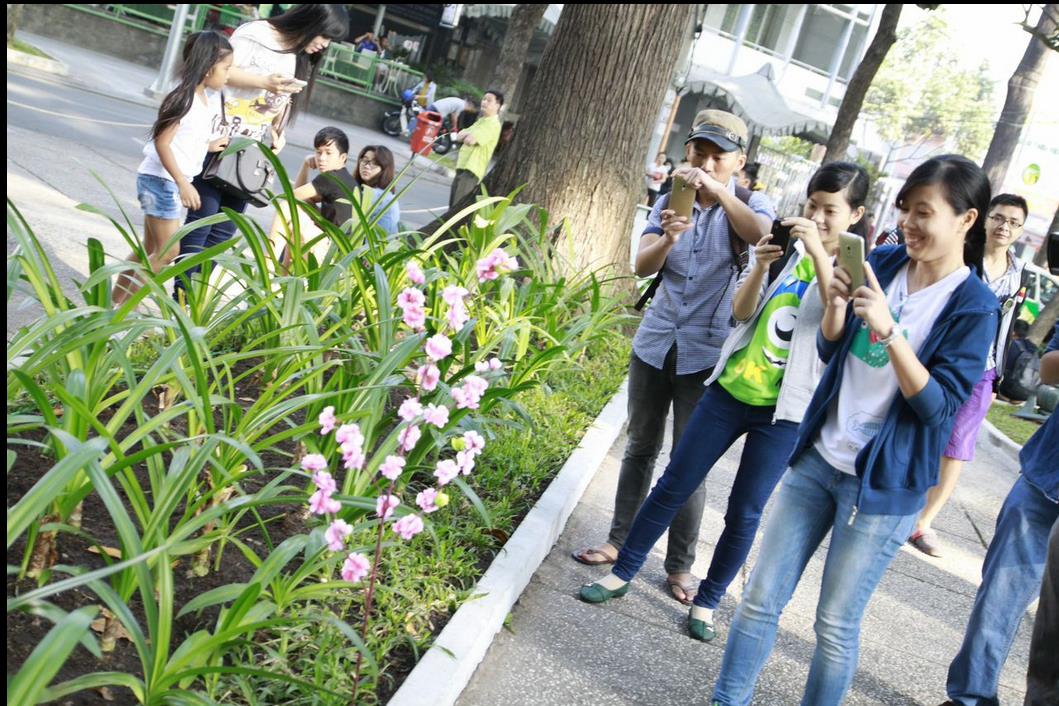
{"x":681,"y":198}
{"x":851,"y":258}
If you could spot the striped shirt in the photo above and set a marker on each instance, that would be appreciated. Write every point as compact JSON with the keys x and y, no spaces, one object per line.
{"x":1005,"y":287}
{"x":693,"y":306}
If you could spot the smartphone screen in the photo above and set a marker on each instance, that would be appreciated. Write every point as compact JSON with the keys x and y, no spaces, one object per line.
{"x":851,"y":258}
{"x":682,"y":198}
{"x":781,"y":235}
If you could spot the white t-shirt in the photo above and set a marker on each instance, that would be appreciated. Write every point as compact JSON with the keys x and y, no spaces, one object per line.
{"x":190,"y":142}
{"x":256,"y":50}
{"x":869,"y":382}
{"x":450,"y":106}
{"x":657,"y":177}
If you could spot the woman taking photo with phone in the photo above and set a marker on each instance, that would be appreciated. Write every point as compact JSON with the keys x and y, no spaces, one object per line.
{"x":274,"y":60}
{"x":765,"y":377}
{"x":903,"y":352}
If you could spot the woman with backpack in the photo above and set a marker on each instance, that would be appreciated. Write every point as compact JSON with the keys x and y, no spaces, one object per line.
{"x":765,"y":377}
{"x":1003,"y":274}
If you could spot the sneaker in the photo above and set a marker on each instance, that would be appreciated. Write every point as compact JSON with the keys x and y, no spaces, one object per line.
{"x":926,"y":542}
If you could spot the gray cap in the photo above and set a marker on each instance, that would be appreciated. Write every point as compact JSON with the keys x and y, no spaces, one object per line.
{"x":721,"y":128}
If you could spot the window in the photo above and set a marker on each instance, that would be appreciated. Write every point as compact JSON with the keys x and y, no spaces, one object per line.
{"x":821,"y":34}
{"x":766,"y":23}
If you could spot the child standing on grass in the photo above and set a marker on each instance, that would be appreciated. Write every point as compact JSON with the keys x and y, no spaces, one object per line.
{"x":179,"y":142}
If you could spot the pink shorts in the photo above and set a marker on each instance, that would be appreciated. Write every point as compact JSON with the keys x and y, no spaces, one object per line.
{"x":969,"y":419}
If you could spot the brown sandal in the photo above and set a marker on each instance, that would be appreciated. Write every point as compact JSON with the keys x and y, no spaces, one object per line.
{"x":689,"y":588}
{"x":582,"y":556}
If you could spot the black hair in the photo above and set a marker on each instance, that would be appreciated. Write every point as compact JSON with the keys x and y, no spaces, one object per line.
{"x":384,"y":157}
{"x":332,"y":135}
{"x":1011,"y":200}
{"x":847,"y":178}
{"x":300,"y":26}
{"x":751,"y":169}
{"x":1021,"y":328}
{"x":496,"y":94}
{"x":965,"y":186}
{"x":202,"y":51}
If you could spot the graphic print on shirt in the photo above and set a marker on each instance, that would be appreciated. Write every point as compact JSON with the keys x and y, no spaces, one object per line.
{"x":872,"y":353}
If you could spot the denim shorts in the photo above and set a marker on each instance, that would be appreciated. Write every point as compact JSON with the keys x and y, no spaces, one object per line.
{"x":159,"y":198}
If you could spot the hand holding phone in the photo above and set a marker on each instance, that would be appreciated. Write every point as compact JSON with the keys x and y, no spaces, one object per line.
{"x":851,"y":259}
{"x":781,"y":235}
{"x":297,"y":83}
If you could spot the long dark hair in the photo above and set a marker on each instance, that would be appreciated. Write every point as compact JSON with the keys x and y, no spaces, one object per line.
{"x":385,"y":159}
{"x":202,"y":51}
{"x":299,"y":26}
{"x":965,"y":186}
{"x":846,"y":177}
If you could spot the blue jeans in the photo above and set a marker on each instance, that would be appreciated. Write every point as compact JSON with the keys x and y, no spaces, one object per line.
{"x":212,"y":201}
{"x":719,"y":419}
{"x":814,"y":498}
{"x":1011,"y":579}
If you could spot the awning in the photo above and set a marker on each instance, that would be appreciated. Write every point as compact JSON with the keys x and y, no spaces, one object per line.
{"x":756,"y":100}
{"x":551,"y":15}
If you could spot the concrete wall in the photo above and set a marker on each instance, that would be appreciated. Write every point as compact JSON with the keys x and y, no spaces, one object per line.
{"x":139,"y":46}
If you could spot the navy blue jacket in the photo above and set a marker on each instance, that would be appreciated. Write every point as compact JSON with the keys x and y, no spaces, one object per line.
{"x":1040,"y":455}
{"x":900,"y":464}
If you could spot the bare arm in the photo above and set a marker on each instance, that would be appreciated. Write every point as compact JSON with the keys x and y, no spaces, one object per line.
{"x":749,"y":226}
{"x":747,"y":297}
{"x":1050,"y":368}
{"x":189,"y":195}
{"x":654,"y":248}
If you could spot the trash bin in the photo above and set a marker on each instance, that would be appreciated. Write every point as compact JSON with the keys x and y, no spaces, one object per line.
{"x":428,"y":124}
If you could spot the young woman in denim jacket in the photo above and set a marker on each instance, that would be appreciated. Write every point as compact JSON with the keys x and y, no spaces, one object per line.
{"x":765,"y":377}
{"x":903,"y":353}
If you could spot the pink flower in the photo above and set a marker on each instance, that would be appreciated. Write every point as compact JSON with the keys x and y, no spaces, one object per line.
{"x":495,"y":264}
{"x":336,"y":535}
{"x":324,"y":482}
{"x":456,"y":317}
{"x":410,"y":409}
{"x":411,"y":298}
{"x":392,"y":467}
{"x":495,"y":364}
{"x":446,"y":470}
{"x":475,"y":384}
{"x":415,"y":318}
{"x":454,"y":295}
{"x":482,"y":366}
{"x":415,"y":274}
{"x":408,"y":526}
{"x":438,"y":415}
{"x":354,"y":459}
{"x":385,"y":505}
{"x":465,"y":460}
{"x":425,"y":500}
{"x":473,"y":441}
{"x":322,"y":503}
{"x":463,"y":399}
{"x":355,"y":568}
{"x":408,"y":438}
{"x":314,"y":462}
{"x":427,"y":377}
{"x":327,"y":420}
{"x":349,"y":434}
{"x":438,"y":347}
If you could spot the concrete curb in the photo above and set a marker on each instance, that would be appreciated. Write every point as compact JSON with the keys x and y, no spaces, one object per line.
{"x":1000,"y":440}
{"x":38,"y":63}
{"x":445,"y":670}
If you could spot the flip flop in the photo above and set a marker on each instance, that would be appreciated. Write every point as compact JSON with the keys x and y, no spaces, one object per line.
{"x":581,"y":555}
{"x":688,"y":588}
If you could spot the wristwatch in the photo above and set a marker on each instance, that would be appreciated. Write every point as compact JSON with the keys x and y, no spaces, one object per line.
{"x":894,"y":333}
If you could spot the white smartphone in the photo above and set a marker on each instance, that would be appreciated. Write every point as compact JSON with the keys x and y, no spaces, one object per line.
{"x":297,"y":82}
{"x":851,"y":258}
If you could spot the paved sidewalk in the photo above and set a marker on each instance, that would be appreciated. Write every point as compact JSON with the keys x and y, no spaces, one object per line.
{"x":634,"y":650}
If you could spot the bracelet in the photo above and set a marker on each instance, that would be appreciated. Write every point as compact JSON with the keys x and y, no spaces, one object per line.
{"x":886,"y":341}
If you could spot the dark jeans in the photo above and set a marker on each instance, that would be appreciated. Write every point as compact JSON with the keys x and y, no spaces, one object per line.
{"x":651,"y":391}
{"x":1042,"y":679}
{"x":464,"y":184}
{"x":719,"y":420}
{"x":207,"y":236}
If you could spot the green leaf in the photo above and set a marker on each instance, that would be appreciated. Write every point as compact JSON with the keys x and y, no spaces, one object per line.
{"x":48,"y":657}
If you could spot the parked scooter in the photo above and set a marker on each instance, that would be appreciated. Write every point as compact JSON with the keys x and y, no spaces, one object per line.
{"x":395,"y":122}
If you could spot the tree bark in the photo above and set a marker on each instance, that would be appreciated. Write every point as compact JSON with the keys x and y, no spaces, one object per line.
{"x":1045,"y":322}
{"x":520,"y":28}
{"x":580,"y":147}
{"x":14,"y":17}
{"x":1019,"y":101}
{"x":849,"y":111}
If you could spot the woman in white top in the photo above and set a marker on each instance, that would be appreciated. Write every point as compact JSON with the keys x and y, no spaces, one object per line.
{"x":275,"y":59}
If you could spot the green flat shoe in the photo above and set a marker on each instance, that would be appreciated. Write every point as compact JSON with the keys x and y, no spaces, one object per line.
{"x":595,"y":593}
{"x":701,"y":630}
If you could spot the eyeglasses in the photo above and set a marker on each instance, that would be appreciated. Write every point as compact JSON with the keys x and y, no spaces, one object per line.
{"x":1000,"y":220}
{"x":369,"y":163}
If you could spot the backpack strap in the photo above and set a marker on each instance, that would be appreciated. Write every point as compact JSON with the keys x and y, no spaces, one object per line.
{"x":737,"y":245}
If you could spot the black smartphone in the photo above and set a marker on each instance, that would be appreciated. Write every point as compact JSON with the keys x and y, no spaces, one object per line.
{"x":781,"y":235}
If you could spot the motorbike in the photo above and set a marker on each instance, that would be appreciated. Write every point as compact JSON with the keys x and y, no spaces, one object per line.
{"x":394,"y":122}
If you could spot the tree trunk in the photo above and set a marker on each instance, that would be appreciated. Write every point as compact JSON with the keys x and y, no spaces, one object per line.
{"x":1019,"y":101}
{"x":1045,"y":321}
{"x":580,"y":146}
{"x":520,"y":28}
{"x":14,"y":17}
{"x":858,"y":86}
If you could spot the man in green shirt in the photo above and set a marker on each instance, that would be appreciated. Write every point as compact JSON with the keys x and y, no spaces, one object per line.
{"x":479,"y":141}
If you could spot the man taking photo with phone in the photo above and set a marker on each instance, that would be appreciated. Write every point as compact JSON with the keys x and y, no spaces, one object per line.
{"x":697,"y":257}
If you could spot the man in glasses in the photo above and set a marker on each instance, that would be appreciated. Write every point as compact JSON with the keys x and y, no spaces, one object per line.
{"x":1003,"y":226}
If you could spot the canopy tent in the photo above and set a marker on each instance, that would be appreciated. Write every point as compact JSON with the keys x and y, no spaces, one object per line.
{"x":551,"y":15}
{"x":756,"y":99}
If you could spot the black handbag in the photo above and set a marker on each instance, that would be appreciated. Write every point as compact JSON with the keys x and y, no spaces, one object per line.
{"x":241,"y":170}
